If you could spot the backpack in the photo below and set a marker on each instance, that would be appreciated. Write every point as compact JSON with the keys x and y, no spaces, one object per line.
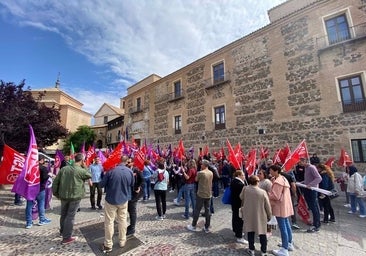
{"x":160,"y":176}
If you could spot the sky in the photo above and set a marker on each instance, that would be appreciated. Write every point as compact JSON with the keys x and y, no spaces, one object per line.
{"x":100,"y":48}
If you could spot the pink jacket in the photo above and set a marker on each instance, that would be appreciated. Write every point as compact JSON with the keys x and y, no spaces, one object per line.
{"x":280,"y":198}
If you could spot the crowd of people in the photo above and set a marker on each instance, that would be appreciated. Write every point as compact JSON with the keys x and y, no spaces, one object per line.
{"x":268,"y":196}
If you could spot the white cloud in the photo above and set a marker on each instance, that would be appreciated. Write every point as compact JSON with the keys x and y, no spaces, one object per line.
{"x":137,"y":38}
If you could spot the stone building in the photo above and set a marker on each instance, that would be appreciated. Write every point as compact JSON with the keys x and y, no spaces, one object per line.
{"x":71,"y":114}
{"x":300,"y":77}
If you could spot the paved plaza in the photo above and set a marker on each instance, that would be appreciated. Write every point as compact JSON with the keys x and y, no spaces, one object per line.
{"x":346,"y":237}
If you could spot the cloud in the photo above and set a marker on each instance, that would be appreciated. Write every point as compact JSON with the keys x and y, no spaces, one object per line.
{"x":134,"y":39}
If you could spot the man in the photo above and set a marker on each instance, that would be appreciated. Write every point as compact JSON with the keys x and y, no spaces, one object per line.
{"x":96,"y":170}
{"x":118,"y":184}
{"x":312,"y":179}
{"x":137,"y":192}
{"x":204,"y":179}
{"x":69,"y":187}
{"x":40,"y":199}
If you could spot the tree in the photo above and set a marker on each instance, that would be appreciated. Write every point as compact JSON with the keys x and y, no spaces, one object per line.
{"x":83,"y":134}
{"x":18,"y":109}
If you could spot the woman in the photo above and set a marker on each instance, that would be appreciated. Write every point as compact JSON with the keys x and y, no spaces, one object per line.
{"x":264,"y":182}
{"x":190,"y":186}
{"x":236,"y":187}
{"x":355,"y":190}
{"x":280,"y":198}
{"x":161,"y":178}
{"x":327,"y":184}
{"x":147,"y":172}
{"x":257,"y":212}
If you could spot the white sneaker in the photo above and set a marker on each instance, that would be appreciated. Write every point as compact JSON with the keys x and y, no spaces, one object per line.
{"x":191,"y":228}
{"x":281,"y":252}
{"x":250,"y":252}
{"x":159,"y":218}
{"x":347,"y":205}
{"x":241,"y":241}
{"x":362,"y":216}
{"x":291,"y":247}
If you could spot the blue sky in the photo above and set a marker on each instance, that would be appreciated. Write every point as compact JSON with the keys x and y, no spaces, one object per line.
{"x":101,"y":48}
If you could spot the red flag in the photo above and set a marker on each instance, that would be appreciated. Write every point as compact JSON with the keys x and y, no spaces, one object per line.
{"x":239,"y":154}
{"x":300,"y":152}
{"x":330,"y":162}
{"x":139,"y":159}
{"x":302,"y":210}
{"x":11,"y":166}
{"x":344,"y":159}
{"x":263,"y":153}
{"x":276,"y":157}
{"x":205,"y":150}
{"x":231,"y":157}
{"x":180,"y":150}
{"x":90,"y":155}
{"x":28,"y":181}
{"x":251,"y":162}
{"x":114,"y":158}
{"x":284,"y":153}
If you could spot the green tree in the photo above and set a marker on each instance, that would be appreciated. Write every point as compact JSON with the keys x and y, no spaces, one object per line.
{"x":18,"y":109}
{"x":83,"y":134}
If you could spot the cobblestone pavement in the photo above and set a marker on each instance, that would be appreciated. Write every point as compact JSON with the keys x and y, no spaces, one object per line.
{"x":169,"y":236}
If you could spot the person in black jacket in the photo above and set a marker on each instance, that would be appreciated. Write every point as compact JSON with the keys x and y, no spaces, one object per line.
{"x":236,"y":187}
{"x":136,"y":194}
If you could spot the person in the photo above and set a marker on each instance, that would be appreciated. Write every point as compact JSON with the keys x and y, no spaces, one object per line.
{"x":118,"y":183}
{"x":160,"y":188}
{"x":40,"y":199}
{"x":266,"y":185}
{"x":314,"y":160}
{"x":190,"y":186}
{"x":137,"y":192}
{"x":68,"y":186}
{"x":66,"y":161}
{"x":236,"y":188}
{"x":312,"y":179}
{"x":290,"y":176}
{"x":147,"y":172}
{"x":204,"y":194}
{"x":180,"y":180}
{"x":280,"y":199}
{"x":327,"y":183}
{"x":96,"y":170}
{"x":256,"y":211}
{"x":355,"y":190}
{"x":225,"y":174}
{"x":18,"y":200}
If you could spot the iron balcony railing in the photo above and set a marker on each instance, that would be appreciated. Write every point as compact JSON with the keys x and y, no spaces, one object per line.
{"x":354,"y":106}
{"x":135,"y":110}
{"x":173,"y":96}
{"x":355,"y":32}
{"x":215,"y":81}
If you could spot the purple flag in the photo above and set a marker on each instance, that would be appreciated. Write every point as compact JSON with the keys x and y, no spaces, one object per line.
{"x":28,"y":181}
{"x":59,"y":158}
{"x":101,"y":156}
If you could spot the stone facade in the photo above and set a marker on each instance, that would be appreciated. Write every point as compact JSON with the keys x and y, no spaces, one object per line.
{"x":281,"y":79}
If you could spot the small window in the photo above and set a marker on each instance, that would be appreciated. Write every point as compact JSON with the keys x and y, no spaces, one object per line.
{"x":359,"y":150}
{"x":220,"y":118}
{"x":105,"y":119}
{"x":138,"y":104}
{"x":218,"y":73}
{"x":337,"y":29}
{"x":353,"y":98}
{"x":178,"y":124}
{"x":177,"y":89}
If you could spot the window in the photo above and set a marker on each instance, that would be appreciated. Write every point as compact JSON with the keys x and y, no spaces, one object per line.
{"x":105,"y":119}
{"x":353,"y":98}
{"x":218,"y":73}
{"x":220,"y":118}
{"x":177,"y":89}
{"x":138,"y":104}
{"x":178,"y":124}
{"x":337,"y":29}
{"x":359,"y":150}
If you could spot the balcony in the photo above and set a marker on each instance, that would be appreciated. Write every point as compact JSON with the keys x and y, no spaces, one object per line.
{"x":211,"y":82}
{"x":135,"y":110}
{"x":357,"y":32}
{"x":175,"y":96}
{"x":177,"y":131}
{"x":359,"y":105}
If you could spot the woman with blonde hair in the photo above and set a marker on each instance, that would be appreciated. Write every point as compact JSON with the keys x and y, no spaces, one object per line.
{"x":327,"y":184}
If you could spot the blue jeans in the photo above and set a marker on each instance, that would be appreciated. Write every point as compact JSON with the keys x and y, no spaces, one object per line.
{"x":311,"y":199}
{"x":190,"y":198}
{"x":180,"y":193}
{"x":215,"y":188}
{"x":286,"y":232}
{"x":147,"y":189}
{"x":40,"y":199}
{"x":357,"y":200}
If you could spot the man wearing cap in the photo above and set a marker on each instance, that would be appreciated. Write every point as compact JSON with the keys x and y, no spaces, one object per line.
{"x":204,"y":179}
{"x":40,"y":199}
{"x":312,"y":179}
